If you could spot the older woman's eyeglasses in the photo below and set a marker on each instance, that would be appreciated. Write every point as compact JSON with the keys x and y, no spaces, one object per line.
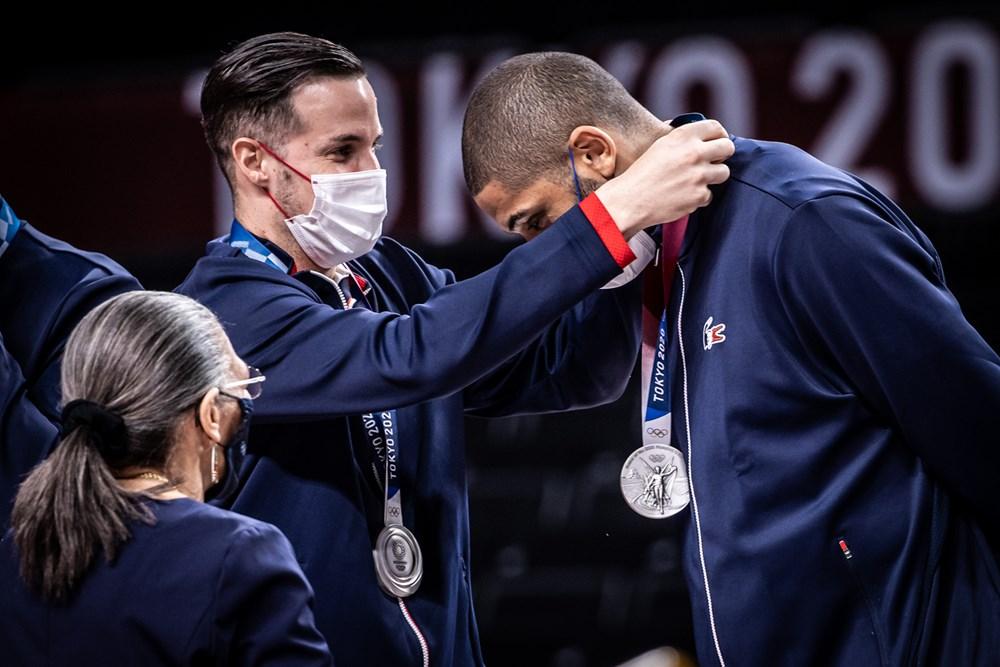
{"x":253,"y":385}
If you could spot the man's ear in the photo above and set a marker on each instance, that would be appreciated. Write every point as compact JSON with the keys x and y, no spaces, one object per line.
{"x":248,"y":157}
{"x":210,"y":416}
{"x":594,"y":152}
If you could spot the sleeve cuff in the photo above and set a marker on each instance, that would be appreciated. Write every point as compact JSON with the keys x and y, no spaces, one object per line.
{"x":606,"y":228}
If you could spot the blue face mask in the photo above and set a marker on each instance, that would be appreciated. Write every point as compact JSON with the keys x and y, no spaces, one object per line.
{"x":236,"y":450}
{"x":576,"y":178}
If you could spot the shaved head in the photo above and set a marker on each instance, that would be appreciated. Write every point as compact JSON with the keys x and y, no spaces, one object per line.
{"x":520,"y":117}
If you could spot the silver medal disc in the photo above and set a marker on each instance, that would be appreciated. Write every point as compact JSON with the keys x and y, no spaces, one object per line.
{"x":654,"y":481}
{"x":398,"y":561}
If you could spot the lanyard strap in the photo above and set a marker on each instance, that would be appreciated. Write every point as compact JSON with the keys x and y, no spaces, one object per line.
{"x":251,"y":246}
{"x":380,"y":431}
{"x":656,"y":422}
{"x":9,"y":224}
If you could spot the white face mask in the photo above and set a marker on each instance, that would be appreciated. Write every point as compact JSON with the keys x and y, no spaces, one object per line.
{"x":642,"y":245}
{"x":644,"y":249}
{"x":346,"y":216}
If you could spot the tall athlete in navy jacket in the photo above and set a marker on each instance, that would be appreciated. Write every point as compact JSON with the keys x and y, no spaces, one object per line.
{"x":837,"y":413}
{"x":344,"y":324}
{"x":46,"y":287}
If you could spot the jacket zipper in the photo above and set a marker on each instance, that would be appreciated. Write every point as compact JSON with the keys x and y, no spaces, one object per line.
{"x":425,"y":651}
{"x":845,"y":550}
{"x":340,"y":292}
{"x":690,"y":462}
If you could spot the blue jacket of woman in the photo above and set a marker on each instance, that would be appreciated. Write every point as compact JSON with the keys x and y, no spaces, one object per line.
{"x":200,"y":586}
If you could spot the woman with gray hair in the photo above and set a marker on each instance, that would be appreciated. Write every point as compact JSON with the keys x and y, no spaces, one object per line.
{"x":112,"y":558}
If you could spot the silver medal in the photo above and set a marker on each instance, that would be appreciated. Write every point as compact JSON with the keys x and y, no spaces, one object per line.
{"x":654,"y":481}
{"x":398,"y":561}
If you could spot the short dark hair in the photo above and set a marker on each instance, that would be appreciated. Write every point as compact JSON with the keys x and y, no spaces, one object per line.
{"x":248,"y":91}
{"x":521,"y":114}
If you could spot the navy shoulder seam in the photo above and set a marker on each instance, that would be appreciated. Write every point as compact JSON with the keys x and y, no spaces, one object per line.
{"x":793,"y":207}
{"x":761,"y":190}
{"x":106,"y":265}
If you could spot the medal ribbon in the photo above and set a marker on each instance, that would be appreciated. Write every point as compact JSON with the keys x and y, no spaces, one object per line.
{"x":379,"y":429}
{"x":656,"y":422}
{"x":381,"y":433}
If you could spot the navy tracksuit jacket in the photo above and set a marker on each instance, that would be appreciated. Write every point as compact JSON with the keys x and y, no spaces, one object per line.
{"x":843,"y":439}
{"x":532,"y":334}
{"x":198,"y":587}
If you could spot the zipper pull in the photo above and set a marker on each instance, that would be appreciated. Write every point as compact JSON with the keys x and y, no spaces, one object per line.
{"x":846,"y":549}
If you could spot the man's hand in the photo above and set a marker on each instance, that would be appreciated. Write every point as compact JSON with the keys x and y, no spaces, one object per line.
{"x":671,"y":179}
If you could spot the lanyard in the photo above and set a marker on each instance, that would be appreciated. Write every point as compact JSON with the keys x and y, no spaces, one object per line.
{"x":397,"y":557}
{"x":250,"y":246}
{"x":656,"y":425}
{"x":656,"y":422}
{"x":9,"y":224}
{"x":380,"y":432}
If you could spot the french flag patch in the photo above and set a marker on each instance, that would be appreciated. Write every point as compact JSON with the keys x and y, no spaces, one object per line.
{"x":713,"y":334}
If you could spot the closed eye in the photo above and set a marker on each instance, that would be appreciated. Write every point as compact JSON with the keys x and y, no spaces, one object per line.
{"x":534,"y":223}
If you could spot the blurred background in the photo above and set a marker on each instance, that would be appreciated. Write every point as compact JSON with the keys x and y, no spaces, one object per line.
{"x":101,"y":146}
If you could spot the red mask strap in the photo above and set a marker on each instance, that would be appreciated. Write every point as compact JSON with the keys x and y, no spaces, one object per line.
{"x":275,"y":156}
{"x":280,"y":208}
{"x":296,"y":171}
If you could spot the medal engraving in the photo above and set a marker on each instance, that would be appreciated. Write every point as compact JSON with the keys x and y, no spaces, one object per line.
{"x":398,"y":561}
{"x":654,"y":481}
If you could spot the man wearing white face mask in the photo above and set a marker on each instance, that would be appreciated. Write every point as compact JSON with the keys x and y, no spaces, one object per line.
{"x":373,"y":357}
{"x":346,"y":217}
